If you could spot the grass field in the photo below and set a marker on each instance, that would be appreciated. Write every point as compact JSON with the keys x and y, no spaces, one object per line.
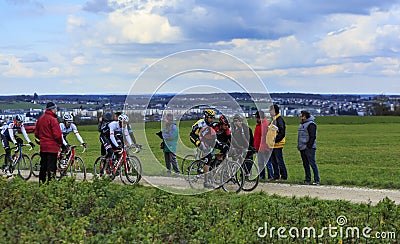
{"x":356,"y":151}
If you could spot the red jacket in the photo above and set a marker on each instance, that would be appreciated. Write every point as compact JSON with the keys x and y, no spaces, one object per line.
{"x":260,"y":136}
{"x":48,"y":132}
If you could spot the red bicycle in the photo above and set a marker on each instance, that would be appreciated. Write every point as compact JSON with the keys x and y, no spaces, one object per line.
{"x":127,"y":166}
{"x":72,"y":164}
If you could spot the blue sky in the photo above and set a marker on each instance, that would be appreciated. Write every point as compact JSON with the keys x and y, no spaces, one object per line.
{"x":101,"y":47}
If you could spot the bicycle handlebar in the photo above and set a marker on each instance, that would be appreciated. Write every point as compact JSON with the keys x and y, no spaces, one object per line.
{"x":74,"y":146}
{"x":22,"y":145}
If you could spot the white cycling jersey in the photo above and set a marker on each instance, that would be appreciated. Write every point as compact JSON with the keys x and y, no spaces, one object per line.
{"x":65,"y":131}
{"x":115,"y":129}
{"x":10,"y":129}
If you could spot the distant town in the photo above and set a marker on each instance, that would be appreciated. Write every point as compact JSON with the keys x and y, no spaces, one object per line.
{"x":88,"y":108}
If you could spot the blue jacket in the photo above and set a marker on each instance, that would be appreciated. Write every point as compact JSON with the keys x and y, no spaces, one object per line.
{"x":170,"y":134}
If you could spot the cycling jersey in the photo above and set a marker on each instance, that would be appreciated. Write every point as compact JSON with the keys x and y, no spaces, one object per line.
{"x":65,"y":131}
{"x":114,"y":129}
{"x":10,"y":129}
{"x":195,"y":133}
{"x":223,"y":136}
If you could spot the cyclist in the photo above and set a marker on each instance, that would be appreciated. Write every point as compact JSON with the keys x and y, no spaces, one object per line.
{"x":8,"y":134}
{"x":66,"y":127}
{"x":203,"y":136}
{"x":209,"y":116}
{"x":222,"y":129}
{"x":111,"y":136}
{"x":128,"y":126}
{"x":104,"y":120}
{"x":243,"y":140}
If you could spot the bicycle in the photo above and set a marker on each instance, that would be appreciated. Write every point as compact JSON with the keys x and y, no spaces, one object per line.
{"x":72,"y":163}
{"x":20,"y":160}
{"x":189,"y":159}
{"x":78,"y":165}
{"x":224,"y":173}
{"x":128,"y":166}
{"x":252,"y":175}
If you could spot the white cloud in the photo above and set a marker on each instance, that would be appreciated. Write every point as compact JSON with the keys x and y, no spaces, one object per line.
{"x":361,"y":35}
{"x":16,"y":69}
{"x":80,"y":60}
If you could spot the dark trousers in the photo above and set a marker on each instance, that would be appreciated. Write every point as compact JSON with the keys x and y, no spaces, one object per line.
{"x":308,"y":157}
{"x":170,"y":158}
{"x":278,"y":164}
{"x":6,"y":146}
{"x":48,"y":166}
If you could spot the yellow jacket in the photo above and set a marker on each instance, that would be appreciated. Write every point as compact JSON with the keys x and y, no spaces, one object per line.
{"x":280,"y":138}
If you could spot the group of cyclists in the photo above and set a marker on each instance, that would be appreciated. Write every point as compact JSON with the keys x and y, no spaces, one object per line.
{"x":208,"y":135}
{"x":111,"y":127}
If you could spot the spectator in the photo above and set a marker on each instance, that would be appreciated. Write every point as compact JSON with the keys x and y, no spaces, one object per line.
{"x":49,"y":133}
{"x":280,"y":172}
{"x":260,"y":144}
{"x":307,"y":145}
{"x":170,"y":135}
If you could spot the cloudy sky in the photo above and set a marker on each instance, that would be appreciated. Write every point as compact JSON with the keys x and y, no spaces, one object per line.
{"x":103,"y":46}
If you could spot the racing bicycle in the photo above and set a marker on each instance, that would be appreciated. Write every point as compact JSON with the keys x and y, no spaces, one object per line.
{"x":72,"y":163}
{"x":127,"y":166}
{"x":224,"y":173}
{"x":20,"y":161}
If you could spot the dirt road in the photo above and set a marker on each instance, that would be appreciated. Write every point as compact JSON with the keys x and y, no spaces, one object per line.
{"x":352,"y":194}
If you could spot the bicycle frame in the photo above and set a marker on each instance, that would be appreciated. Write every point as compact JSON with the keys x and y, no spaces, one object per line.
{"x":118,"y":165}
{"x":18,"y":153}
{"x":71,"y":157}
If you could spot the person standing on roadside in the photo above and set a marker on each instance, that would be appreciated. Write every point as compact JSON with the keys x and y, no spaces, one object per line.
{"x":260,"y":144}
{"x":307,"y":145}
{"x":280,"y":172}
{"x":50,"y":136}
{"x":170,"y":135}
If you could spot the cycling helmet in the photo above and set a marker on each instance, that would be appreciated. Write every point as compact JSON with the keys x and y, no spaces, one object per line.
{"x":224,"y":120}
{"x":209,"y":113}
{"x":19,"y":118}
{"x":107,"y":117}
{"x":123,"y":118}
{"x":68,"y":118}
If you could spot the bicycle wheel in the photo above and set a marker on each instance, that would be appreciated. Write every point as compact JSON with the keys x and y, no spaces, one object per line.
{"x":36,"y":164}
{"x":98,"y":165}
{"x":78,"y":169}
{"x":252,"y":176}
{"x":195,"y":174}
{"x":186,"y":162}
{"x":132,"y":173}
{"x":232,"y":176}
{"x":25,"y":167}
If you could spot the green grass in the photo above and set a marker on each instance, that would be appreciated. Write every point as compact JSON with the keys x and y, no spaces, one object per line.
{"x":99,"y":212}
{"x":356,"y":151}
